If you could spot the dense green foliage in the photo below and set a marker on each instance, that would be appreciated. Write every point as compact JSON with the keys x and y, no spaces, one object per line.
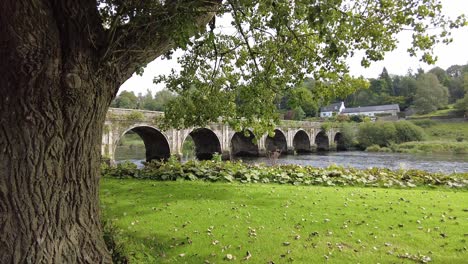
{"x":126,"y":99}
{"x":348,"y":136}
{"x":188,"y":148}
{"x":272,"y":46}
{"x":462,"y":104}
{"x":430,"y":94}
{"x":202,"y":222}
{"x":284,"y":174}
{"x":384,"y":134}
{"x":424,"y":92}
{"x":129,"y":100}
{"x":437,"y":136}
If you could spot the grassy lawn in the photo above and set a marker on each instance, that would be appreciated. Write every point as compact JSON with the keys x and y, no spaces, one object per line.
{"x":450,"y":111}
{"x":200,"y":222}
{"x":447,"y":131}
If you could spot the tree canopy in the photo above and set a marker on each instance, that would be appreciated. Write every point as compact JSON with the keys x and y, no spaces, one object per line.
{"x":253,"y":50}
{"x":414,"y":90}
{"x":270,"y":46}
{"x":430,"y":94}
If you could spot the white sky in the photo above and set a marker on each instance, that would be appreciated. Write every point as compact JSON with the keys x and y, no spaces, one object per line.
{"x":397,"y":62}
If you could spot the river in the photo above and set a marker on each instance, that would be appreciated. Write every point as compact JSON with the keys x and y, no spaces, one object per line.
{"x":445,"y":163}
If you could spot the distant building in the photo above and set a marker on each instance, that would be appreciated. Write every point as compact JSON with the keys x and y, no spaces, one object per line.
{"x":392,"y":109}
{"x":331,"y":110}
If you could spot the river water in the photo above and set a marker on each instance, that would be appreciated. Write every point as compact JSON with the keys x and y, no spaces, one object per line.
{"x":445,"y":163}
{"x":363,"y":160}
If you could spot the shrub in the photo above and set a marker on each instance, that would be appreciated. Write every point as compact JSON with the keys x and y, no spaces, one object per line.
{"x":122,"y":170}
{"x":386,"y":133}
{"x":385,"y":149}
{"x":373,"y":148}
{"x":406,"y":131}
{"x":217,"y":157}
{"x":325,"y":127}
{"x":135,"y":116}
{"x":379,"y":133}
{"x":357,"y":118}
{"x":348,"y":137}
{"x":424,"y":123}
{"x":342,"y":118}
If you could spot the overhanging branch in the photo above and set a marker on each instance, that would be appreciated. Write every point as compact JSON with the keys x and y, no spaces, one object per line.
{"x":150,"y":34}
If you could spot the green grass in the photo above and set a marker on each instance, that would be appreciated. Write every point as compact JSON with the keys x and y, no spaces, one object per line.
{"x":447,"y":131}
{"x":158,"y":221}
{"x":449,"y":112}
{"x":433,"y":147}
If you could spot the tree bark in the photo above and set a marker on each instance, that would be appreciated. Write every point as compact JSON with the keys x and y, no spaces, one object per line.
{"x":52,"y":109}
{"x":56,"y":83}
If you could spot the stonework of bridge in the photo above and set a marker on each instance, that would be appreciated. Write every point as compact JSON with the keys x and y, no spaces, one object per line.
{"x":290,"y":137}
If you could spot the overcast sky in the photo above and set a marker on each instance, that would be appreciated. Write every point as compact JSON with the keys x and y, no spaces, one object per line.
{"x":397,"y":62}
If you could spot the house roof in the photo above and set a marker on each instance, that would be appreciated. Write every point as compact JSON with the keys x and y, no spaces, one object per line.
{"x":375,"y":108}
{"x":331,"y":108}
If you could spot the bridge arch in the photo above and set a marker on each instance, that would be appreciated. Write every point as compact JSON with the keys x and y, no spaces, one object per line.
{"x":277,"y":142}
{"x":322,"y":142}
{"x":301,"y":142}
{"x":206,"y":143}
{"x":156,"y":143}
{"x":242,"y":144}
{"x":339,"y":141}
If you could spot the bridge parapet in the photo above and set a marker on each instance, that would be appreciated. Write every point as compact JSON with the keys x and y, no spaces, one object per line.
{"x":122,"y":114}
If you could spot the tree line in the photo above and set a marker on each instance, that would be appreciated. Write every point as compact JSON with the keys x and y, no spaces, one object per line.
{"x":129,"y":100}
{"x":424,"y":92}
{"x":421,"y":92}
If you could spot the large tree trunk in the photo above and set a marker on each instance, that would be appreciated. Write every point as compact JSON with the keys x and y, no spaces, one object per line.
{"x":52,"y":108}
{"x":49,"y":173}
{"x":59,"y":70}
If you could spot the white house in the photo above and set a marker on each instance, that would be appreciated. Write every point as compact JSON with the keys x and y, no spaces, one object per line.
{"x":372,"y":111}
{"x":333,"y":109}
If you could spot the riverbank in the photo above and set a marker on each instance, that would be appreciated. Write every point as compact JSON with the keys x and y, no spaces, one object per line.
{"x":218,"y":171}
{"x":423,"y":147}
{"x":444,"y":131}
{"x":440,"y":137}
{"x":203,"y":222}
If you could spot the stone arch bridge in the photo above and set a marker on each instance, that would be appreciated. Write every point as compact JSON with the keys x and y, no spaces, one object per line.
{"x":290,"y":137}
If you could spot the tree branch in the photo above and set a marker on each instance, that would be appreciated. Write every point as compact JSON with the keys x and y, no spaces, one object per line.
{"x":154,"y":32}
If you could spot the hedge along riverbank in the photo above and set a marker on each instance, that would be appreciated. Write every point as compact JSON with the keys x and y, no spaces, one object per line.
{"x":215,"y":171}
{"x":385,"y":134}
{"x":423,"y":147}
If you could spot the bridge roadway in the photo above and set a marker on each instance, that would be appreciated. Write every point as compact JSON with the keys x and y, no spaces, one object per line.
{"x":290,"y":137}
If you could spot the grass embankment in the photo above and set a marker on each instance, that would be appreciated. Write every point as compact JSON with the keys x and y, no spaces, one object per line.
{"x":425,"y":147}
{"x":444,"y":131}
{"x":448,"y":137}
{"x":440,"y":137}
{"x":449,"y":112}
{"x":201,"y":222}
